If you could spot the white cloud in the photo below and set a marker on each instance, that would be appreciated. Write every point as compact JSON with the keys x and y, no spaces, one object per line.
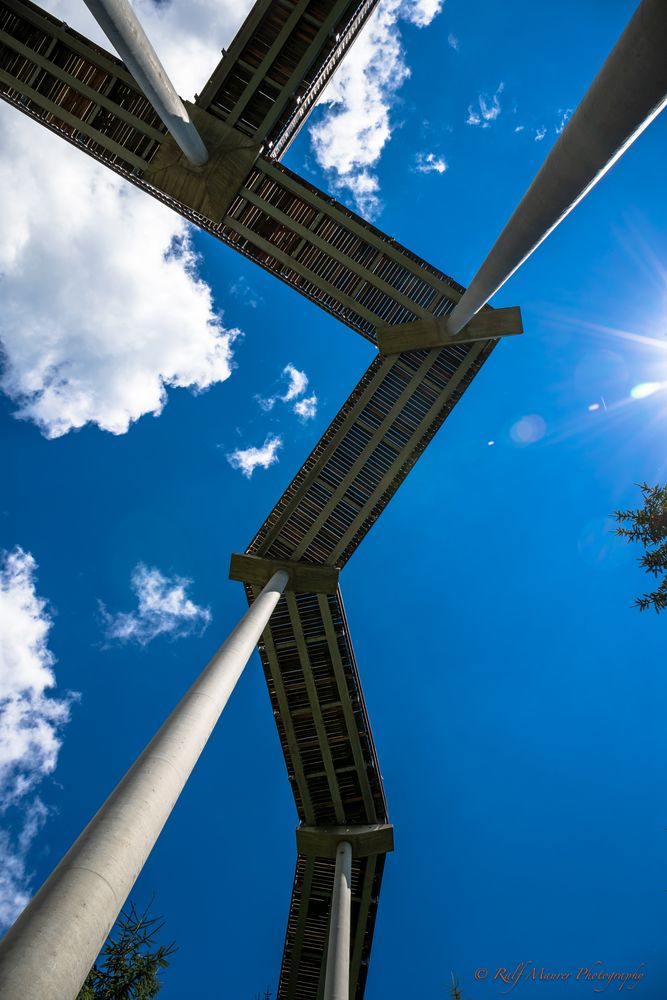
{"x":30,"y":720}
{"x":519,"y":128}
{"x":102,"y":306}
{"x":421,"y":12}
{"x":349,"y":139}
{"x":163,"y":609}
{"x":306,"y":408}
{"x":564,"y":114}
{"x":249,"y":459}
{"x":297,"y":383}
{"x":487,"y":110}
{"x":365,"y":188}
{"x":15,"y":876}
{"x":452,"y":41}
{"x":540,"y":133}
{"x":429,"y":163}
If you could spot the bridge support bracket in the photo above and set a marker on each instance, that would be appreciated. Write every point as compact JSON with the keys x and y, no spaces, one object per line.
{"x":425,"y":334}
{"x":305,"y":578}
{"x":211,"y":188}
{"x":323,"y":841}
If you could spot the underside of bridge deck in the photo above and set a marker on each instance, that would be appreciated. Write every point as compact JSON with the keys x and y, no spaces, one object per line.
{"x":263,"y":89}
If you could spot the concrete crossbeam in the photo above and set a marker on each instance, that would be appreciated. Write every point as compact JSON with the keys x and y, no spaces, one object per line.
{"x":425,"y":334}
{"x":305,"y":578}
{"x":211,"y":188}
{"x":323,"y":841}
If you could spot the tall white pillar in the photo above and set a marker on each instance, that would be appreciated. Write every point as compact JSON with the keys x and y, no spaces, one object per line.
{"x":120,"y":24}
{"x":627,"y":94}
{"x":337,"y":979}
{"x":48,"y":952}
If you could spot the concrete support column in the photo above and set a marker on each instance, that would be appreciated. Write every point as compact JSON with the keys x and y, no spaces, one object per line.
{"x":337,"y":979}
{"x":627,"y":94}
{"x":120,"y":24}
{"x":48,"y":952}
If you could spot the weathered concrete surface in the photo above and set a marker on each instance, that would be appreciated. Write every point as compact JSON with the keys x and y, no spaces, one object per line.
{"x":305,"y":578}
{"x":425,"y":334}
{"x":209,"y":189}
{"x":337,"y":978}
{"x":323,"y":841}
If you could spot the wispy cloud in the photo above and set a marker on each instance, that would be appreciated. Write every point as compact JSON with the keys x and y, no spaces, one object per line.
{"x":487,"y":109}
{"x":306,"y":408}
{"x":349,"y":139}
{"x":452,"y":41}
{"x":297,"y":383}
{"x":15,"y":876}
{"x":242,"y":289}
{"x":564,"y":115}
{"x":249,"y":459}
{"x":429,"y":163}
{"x":540,"y":132}
{"x":31,"y":720}
{"x":163,"y":608}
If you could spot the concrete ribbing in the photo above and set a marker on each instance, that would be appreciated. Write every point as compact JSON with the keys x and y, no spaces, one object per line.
{"x":121,"y":26}
{"x":625,"y":97}
{"x":48,"y":952}
{"x":337,"y":979}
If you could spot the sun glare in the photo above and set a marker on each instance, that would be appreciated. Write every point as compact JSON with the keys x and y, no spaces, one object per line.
{"x":645,"y":389}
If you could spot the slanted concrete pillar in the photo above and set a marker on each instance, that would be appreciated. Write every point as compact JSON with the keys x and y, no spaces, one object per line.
{"x":120,"y":24}
{"x":337,"y":978}
{"x":48,"y":952}
{"x":627,"y":94}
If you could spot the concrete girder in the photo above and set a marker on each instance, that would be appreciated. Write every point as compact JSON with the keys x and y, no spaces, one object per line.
{"x":303,"y":577}
{"x":425,"y":334}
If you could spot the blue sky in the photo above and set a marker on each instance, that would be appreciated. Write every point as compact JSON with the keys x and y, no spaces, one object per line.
{"x":517,"y":702}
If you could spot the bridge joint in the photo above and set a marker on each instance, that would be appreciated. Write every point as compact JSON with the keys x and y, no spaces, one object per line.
{"x":209,"y":189}
{"x":307,"y":578}
{"x":323,"y":841}
{"x":430,"y":332}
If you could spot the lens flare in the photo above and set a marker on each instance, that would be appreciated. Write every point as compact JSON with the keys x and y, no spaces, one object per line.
{"x":528,"y":430}
{"x":645,"y":389}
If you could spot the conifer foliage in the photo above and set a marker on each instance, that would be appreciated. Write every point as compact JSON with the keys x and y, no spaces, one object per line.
{"x":648,"y":525}
{"x":455,"y":991}
{"x":127,"y":967}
